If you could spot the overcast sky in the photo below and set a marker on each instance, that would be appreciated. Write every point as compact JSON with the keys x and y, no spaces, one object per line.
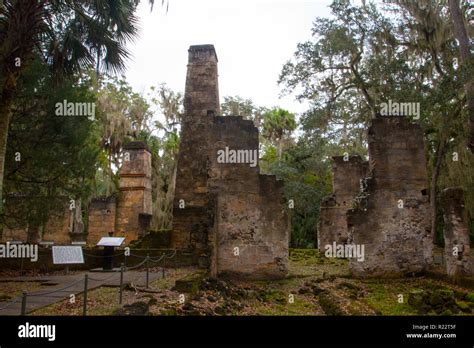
{"x":253,"y":39}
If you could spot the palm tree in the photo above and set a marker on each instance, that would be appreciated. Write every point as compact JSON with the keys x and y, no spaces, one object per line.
{"x":278,"y":124}
{"x":70,"y":35}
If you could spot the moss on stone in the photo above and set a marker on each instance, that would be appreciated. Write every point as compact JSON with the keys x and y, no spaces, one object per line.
{"x":190,"y":283}
{"x":470,"y":297}
{"x":463,"y":306}
{"x":153,"y":240}
{"x":329,"y":304}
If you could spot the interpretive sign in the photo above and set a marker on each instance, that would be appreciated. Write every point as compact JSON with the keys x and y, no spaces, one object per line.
{"x":66,"y":255}
{"x":111,"y":241}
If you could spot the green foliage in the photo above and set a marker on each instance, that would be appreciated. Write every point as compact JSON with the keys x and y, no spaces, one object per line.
{"x":70,"y":37}
{"x":306,"y":173}
{"x":238,"y":106}
{"x":278,"y":123}
{"x":363,"y":56}
{"x":169,"y":107}
{"x":50,"y":159}
{"x":123,"y":115}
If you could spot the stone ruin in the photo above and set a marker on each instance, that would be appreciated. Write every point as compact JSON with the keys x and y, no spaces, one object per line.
{"x":102,"y":213}
{"x":348,"y":171}
{"x":225,"y":211}
{"x":127,"y":215}
{"x":391,"y":216}
{"x":228,"y":215}
{"x":134,"y":205}
{"x":456,"y":234}
{"x":233,"y":219}
{"x":383,"y":206}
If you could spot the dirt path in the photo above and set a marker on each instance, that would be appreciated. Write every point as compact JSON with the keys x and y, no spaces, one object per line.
{"x":63,"y":286}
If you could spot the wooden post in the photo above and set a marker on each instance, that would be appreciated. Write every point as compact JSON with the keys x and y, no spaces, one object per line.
{"x":163,"y":265}
{"x":121,"y":282}
{"x":147,"y":270}
{"x":23,"y":302}
{"x":84,"y":305}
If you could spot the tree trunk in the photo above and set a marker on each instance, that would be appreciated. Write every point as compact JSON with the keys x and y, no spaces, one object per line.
{"x":171,"y":190}
{"x":460,"y":33}
{"x":78,"y":226}
{"x":280,"y":146}
{"x":22,"y":25}
{"x":6,"y":102}
{"x":440,"y":152}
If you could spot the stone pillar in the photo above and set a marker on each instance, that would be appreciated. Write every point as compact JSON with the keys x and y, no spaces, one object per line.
{"x":231,"y":217}
{"x":134,"y":201}
{"x":456,"y":233}
{"x":251,"y":227}
{"x":191,"y":210}
{"x":102,"y":212}
{"x":202,"y":90}
{"x":347,"y":174}
{"x":391,"y":218}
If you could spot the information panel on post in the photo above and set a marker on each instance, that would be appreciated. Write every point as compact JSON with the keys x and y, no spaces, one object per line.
{"x":67,"y":254}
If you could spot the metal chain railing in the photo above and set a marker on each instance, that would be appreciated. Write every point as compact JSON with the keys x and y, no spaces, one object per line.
{"x":9,"y":304}
{"x":56,"y":290}
{"x":147,"y":260}
{"x":103,"y":280}
{"x":101,"y":256}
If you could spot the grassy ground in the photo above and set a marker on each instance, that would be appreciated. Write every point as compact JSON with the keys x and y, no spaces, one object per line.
{"x":315,"y":286}
{"x":9,"y":290}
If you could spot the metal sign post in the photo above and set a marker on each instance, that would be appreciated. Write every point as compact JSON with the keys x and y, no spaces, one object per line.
{"x":109,"y":244}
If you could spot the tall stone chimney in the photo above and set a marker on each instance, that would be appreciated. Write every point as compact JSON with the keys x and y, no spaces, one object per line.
{"x":134,"y":204}
{"x":202,"y":91}
{"x":223,"y":205}
{"x":191,"y":219}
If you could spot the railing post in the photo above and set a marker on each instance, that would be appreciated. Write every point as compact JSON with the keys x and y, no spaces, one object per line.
{"x":121,"y":282}
{"x":84,"y":305}
{"x":162,"y":266}
{"x":147,"y":270}
{"x":23,"y":302}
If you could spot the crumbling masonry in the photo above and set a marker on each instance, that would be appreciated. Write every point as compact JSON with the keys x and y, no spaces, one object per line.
{"x":128,"y":214}
{"x":392,"y":218}
{"x":134,"y":202}
{"x":348,"y":171}
{"x":456,"y":233}
{"x":226,"y":212}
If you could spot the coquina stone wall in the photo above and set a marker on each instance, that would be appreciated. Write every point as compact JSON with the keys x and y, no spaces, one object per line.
{"x":224,"y":210}
{"x":392,"y":217}
{"x":456,"y":233}
{"x":134,"y":201}
{"x":348,"y":171}
{"x":102,"y":213}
